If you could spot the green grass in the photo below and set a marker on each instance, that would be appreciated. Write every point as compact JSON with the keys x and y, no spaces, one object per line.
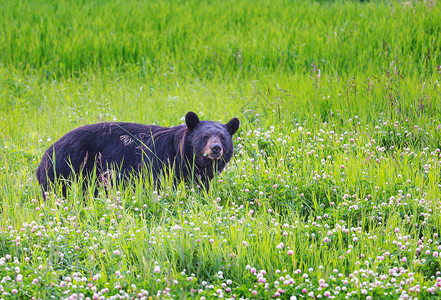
{"x":337,"y":158}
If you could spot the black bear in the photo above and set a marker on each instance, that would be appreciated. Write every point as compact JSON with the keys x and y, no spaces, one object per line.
{"x":195,"y":150}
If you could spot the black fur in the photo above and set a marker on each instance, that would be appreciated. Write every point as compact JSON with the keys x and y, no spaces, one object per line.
{"x":131,"y":148}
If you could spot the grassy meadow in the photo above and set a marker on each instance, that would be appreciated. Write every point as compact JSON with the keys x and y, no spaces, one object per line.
{"x":334,"y":190}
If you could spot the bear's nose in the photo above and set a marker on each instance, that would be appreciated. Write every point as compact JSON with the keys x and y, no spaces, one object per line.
{"x":216,"y":148}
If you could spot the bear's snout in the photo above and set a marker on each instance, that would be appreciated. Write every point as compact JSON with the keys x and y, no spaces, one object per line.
{"x":216,"y":148}
{"x":213,"y":149}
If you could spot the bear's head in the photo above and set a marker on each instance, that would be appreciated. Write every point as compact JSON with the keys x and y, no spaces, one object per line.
{"x":210,"y":141}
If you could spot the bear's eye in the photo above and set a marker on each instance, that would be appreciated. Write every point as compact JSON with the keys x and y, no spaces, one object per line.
{"x":206,"y":137}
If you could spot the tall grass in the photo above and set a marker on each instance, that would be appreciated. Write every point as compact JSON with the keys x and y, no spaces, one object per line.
{"x":334,"y":189}
{"x":202,"y":40}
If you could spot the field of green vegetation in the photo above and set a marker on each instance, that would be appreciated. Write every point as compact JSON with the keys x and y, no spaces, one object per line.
{"x":334,"y":190}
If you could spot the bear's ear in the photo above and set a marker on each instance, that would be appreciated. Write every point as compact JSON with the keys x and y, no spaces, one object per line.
{"x":191,"y":119}
{"x":233,"y":125}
